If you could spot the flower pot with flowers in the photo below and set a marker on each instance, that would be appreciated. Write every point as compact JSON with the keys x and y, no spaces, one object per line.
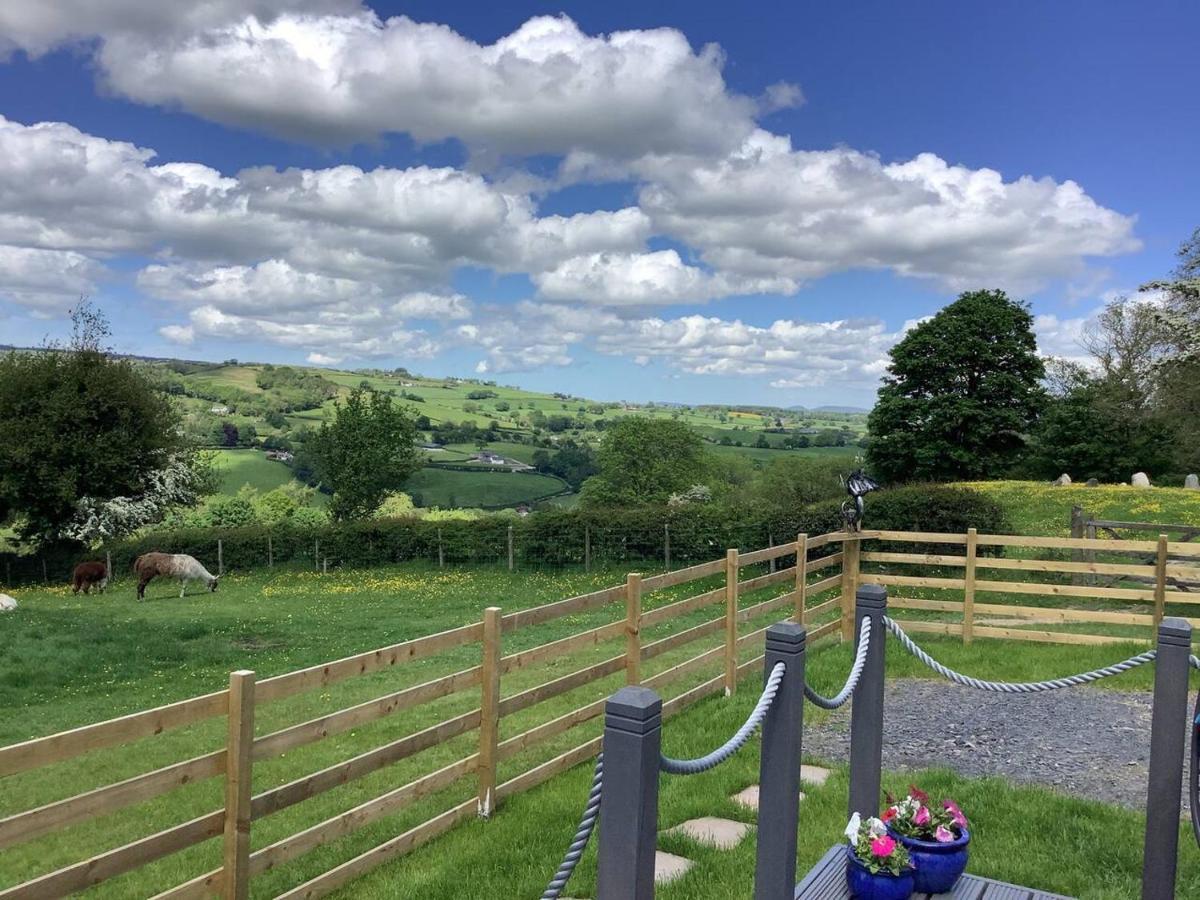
{"x":879,"y":867}
{"x":935,"y":835}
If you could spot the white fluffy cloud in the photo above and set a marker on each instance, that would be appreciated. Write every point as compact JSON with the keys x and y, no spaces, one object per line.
{"x":646,"y":279}
{"x":340,"y":262}
{"x":329,"y":72}
{"x":769,"y":210}
{"x":46,"y":280}
{"x":788,"y":353}
{"x":39,"y":25}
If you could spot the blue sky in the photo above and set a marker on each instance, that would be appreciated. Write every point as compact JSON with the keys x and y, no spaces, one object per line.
{"x":667,"y":201}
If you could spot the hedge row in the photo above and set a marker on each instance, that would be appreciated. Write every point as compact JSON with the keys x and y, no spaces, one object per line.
{"x":547,"y":538}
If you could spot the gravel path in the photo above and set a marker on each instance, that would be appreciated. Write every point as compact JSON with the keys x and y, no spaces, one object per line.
{"x":1083,"y":741}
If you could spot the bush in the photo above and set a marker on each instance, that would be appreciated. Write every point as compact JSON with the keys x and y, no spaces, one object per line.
{"x":698,"y":532}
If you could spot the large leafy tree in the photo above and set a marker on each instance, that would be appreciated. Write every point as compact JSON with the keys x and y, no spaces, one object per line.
{"x":89,"y":447}
{"x":643,"y":460}
{"x":367,"y":452}
{"x":1177,"y":373}
{"x":962,"y":392}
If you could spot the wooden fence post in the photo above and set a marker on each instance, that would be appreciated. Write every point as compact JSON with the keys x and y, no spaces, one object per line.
{"x":441,"y":551}
{"x":220,"y":558}
{"x":510,"y":548}
{"x":801,"y":577}
{"x":968,"y":629}
{"x":850,"y":548}
{"x":45,"y":574}
{"x":238,"y":770}
{"x":771,"y":561}
{"x":1160,"y":581}
{"x":270,"y":553}
{"x":1077,"y":531}
{"x":1089,"y":531}
{"x":587,"y":548}
{"x":317,"y":554}
{"x":633,"y":628}
{"x":489,"y":721}
{"x":667,"y":547}
{"x":731,"y":608}
{"x":108,"y":564}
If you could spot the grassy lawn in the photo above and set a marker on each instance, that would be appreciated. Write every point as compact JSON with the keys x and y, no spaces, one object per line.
{"x":67,"y":660}
{"x":450,"y":487}
{"x":242,"y":467}
{"x":1036,"y":507}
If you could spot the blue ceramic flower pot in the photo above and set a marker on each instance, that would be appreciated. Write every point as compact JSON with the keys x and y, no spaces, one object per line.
{"x":939,"y":865}
{"x":867,"y":886}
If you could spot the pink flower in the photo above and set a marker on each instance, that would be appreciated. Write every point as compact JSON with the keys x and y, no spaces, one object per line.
{"x":922,"y":816}
{"x":956,"y":814}
{"x":882,"y":846}
{"x":944,"y":834}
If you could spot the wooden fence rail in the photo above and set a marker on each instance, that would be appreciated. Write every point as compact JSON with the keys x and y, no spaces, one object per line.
{"x":818,"y":590}
{"x":238,"y":705}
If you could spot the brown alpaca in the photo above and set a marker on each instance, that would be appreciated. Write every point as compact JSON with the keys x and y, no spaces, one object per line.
{"x":88,"y":574}
{"x":171,"y":565}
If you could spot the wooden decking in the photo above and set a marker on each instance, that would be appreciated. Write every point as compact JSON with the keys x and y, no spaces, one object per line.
{"x":827,"y":881}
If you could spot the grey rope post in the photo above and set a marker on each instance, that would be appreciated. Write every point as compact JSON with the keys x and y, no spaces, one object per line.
{"x":629,"y":795}
{"x":1168,"y":735}
{"x":779,"y":767}
{"x":866,"y":714}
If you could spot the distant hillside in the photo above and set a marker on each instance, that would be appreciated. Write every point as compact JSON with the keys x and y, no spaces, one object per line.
{"x":848,"y":410}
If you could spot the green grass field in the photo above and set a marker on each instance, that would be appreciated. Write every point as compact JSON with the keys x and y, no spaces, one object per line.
{"x":1036,"y":507}
{"x":241,"y":467}
{"x":70,"y":660}
{"x":448,"y":488}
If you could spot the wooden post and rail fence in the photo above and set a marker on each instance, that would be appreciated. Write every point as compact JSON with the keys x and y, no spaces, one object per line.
{"x":825,"y":605}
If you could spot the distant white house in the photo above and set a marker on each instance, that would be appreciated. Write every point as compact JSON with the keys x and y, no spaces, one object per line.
{"x":220,"y":410}
{"x":280,"y":455}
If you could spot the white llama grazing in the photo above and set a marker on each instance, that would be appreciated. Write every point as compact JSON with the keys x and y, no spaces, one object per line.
{"x":171,"y":565}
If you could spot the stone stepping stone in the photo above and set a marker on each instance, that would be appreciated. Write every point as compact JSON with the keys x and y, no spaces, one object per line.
{"x":720,"y":834}
{"x":748,"y":797}
{"x":668,"y":866}
{"x":814,"y":775}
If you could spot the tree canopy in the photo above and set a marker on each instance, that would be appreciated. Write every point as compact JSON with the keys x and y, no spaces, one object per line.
{"x":962,"y":392}
{"x":643,"y":460}
{"x":86,"y":436}
{"x":367,"y":452}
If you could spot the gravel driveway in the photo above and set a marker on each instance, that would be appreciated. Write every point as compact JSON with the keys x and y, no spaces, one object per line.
{"x":1083,"y":741}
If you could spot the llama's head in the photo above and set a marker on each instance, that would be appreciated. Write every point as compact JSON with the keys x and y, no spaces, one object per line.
{"x":212,"y":585}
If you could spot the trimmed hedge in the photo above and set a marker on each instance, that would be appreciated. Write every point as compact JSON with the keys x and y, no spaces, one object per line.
{"x":547,"y":538}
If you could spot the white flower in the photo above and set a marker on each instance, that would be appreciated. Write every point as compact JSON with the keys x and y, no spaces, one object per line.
{"x":852,"y":829}
{"x":876,"y":827}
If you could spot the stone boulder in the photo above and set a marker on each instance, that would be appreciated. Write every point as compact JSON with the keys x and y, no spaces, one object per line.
{"x":1140,"y":479}
{"x":1062,"y":480}
{"x":1192,"y":482}
{"x":7,"y":603}
{"x":1092,"y":482}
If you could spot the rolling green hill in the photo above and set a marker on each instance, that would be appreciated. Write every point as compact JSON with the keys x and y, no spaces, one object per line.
{"x":281,"y":405}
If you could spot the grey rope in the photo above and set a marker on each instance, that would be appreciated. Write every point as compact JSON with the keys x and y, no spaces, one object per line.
{"x":1017,"y":687}
{"x":1194,"y":661}
{"x":583,"y":833}
{"x":860,"y":661}
{"x":735,"y":743}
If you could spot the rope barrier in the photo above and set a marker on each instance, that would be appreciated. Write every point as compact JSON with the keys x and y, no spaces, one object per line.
{"x":1017,"y":687}
{"x":860,"y":662}
{"x":735,"y":743}
{"x":1194,"y":661}
{"x":591,"y":812}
